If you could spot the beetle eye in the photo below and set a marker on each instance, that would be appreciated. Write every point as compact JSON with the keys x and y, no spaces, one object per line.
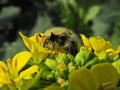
{"x":52,"y":37}
{"x":63,"y":37}
{"x":62,"y":40}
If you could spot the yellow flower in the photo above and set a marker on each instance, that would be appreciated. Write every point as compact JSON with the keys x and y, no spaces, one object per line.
{"x":34,"y":42}
{"x":35,"y":45}
{"x":97,"y":43}
{"x":115,"y":52}
{"x":86,"y":41}
{"x":101,"y":76}
{"x":62,"y":67}
{"x":11,"y":75}
{"x":105,"y":73}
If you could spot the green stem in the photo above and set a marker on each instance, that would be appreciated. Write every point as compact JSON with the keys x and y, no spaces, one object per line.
{"x":11,"y":87}
{"x":33,"y":81}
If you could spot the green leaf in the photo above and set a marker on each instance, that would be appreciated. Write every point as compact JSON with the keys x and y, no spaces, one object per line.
{"x":83,"y":79}
{"x":92,"y":12}
{"x":115,"y":37}
{"x":92,"y":62}
{"x":4,"y":1}
{"x":42,"y":24}
{"x":9,"y":12}
{"x":13,"y":48}
{"x":118,"y":88}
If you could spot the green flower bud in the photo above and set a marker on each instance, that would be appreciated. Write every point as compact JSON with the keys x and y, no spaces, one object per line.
{"x":82,"y":57}
{"x":51,"y":63}
{"x":71,"y":67}
{"x":102,"y":56}
{"x":62,"y":57}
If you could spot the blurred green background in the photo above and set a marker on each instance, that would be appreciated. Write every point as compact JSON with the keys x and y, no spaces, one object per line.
{"x":89,"y":17}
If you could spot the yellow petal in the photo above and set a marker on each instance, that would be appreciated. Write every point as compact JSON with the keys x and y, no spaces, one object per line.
{"x":27,"y":72}
{"x":85,"y":41}
{"x":10,"y":64}
{"x":33,"y":38}
{"x":110,"y":50}
{"x":43,"y":53}
{"x":108,"y":45}
{"x":99,"y":44}
{"x":20,"y":59}
{"x":2,"y":64}
{"x":26,"y":41}
{"x":1,"y":85}
{"x":116,"y":52}
{"x":102,"y":55}
{"x":38,"y":38}
{"x":105,"y":73}
{"x":3,"y":68}
{"x":83,"y":79}
{"x":4,"y":81}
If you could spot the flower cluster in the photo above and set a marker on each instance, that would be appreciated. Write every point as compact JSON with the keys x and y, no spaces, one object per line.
{"x":95,"y":67}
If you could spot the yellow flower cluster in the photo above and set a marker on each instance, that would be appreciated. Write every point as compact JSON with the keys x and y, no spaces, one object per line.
{"x":42,"y":68}
{"x":99,"y":44}
{"x":12,"y":75}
